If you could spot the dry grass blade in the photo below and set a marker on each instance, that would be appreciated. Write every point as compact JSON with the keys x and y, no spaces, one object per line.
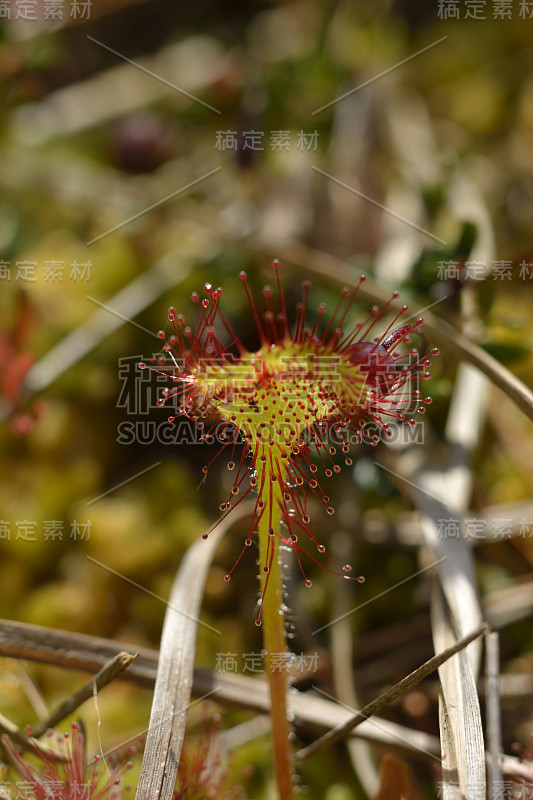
{"x":455,"y":567}
{"x":20,"y":640}
{"x":88,"y":653}
{"x":492,"y":694}
{"x":108,"y":673}
{"x":443,"y":500}
{"x":245,"y":732}
{"x":117,"y":91}
{"x":442,"y":497}
{"x":449,"y":788}
{"x":175,"y":670}
{"x":463,"y":747}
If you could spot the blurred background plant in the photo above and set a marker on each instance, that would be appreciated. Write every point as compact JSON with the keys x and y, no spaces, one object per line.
{"x":89,"y":142}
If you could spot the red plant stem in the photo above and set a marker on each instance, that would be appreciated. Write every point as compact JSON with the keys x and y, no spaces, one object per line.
{"x":274,"y":640}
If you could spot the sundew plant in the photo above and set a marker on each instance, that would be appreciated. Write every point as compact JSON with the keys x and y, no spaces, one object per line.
{"x":68,"y":775}
{"x":314,"y":384}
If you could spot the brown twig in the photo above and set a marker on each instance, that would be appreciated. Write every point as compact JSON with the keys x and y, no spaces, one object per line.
{"x":341,"y":731}
{"x":108,"y":673}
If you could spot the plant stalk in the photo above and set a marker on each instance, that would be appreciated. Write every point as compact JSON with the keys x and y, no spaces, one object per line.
{"x":274,"y":641}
